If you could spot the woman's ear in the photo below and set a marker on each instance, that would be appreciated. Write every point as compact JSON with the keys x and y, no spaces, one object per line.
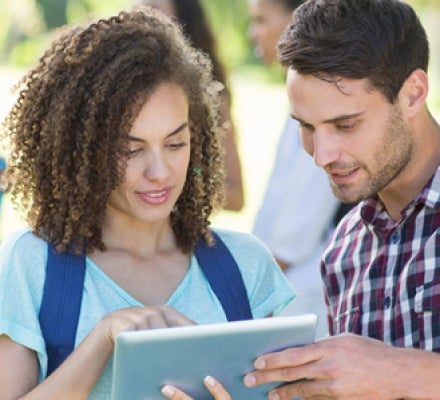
{"x":413,"y":94}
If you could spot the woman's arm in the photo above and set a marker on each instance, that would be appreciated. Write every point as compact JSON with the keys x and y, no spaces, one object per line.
{"x":77,"y":376}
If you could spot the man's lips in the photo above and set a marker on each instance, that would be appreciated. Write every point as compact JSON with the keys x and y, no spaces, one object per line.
{"x":342,"y":176}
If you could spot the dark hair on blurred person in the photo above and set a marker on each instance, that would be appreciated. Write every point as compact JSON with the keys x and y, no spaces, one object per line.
{"x":289,"y":4}
{"x":191,"y":16}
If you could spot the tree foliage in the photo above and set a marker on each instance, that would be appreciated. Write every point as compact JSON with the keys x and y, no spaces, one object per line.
{"x":54,"y":12}
{"x":25,"y":24}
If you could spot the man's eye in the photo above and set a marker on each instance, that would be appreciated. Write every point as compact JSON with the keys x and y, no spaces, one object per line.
{"x":307,"y":127}
{"x":347,"y":126}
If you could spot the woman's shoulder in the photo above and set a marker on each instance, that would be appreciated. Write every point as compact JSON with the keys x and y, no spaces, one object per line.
{"x":266,"y":285}
{"x":22,"y":237}
{"x":230,"y":236}
{"x":22,"y":245}
{"x":243,"y":244}
{"x":23,"y":259}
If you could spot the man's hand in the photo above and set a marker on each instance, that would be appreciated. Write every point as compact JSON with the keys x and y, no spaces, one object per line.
{"x":341,"y":367}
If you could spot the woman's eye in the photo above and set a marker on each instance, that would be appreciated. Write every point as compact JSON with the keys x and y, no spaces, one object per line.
{"x":175,"y":146}
{"x":133,"y":152}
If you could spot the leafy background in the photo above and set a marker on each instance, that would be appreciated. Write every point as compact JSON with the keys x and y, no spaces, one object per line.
{"x":259,"y":100}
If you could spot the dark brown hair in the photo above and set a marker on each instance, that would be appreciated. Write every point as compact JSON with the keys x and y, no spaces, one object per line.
{"x":193,"y":20}
{"x":382,"y":41}
{"x":68,"y":129}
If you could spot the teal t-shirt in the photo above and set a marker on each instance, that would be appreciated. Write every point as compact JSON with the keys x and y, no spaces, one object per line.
{"x":22,"y":272}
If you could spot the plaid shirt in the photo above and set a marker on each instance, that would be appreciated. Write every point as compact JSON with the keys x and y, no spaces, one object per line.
{"x":382,"y":278}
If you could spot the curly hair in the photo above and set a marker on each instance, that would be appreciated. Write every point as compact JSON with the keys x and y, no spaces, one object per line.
{"x":67,"y":131}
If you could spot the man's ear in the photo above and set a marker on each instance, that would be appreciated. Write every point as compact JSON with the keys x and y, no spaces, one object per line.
{"x":413,"y":94}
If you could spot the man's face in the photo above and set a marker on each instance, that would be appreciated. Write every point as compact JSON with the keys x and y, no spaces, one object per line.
{"x":268,"y":21}
{"x":353,"y":133}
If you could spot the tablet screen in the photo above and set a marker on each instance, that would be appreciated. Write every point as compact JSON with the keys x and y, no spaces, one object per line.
{"x":146,"y":360}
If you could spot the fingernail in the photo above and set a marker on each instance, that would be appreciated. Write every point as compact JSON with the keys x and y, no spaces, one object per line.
{"x":260,"y":363}
{"x":209,"y":380}
{"x":274,"y":396}
{"x":167,"y":390}
{"x":249,"y":380}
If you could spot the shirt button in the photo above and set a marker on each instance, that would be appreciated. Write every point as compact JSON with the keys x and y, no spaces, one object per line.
{"x":395,"y":237}
{"x":387,"y":302}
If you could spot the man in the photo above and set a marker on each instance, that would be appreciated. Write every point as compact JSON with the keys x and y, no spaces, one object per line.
{"x":357,"y":84}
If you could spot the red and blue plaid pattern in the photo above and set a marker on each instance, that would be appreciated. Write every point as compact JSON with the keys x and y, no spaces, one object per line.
{"x":382,"y":277}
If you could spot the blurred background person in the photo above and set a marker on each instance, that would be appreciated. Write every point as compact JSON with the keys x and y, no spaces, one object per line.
{"x":298,"y":208}
{"x":192,"y":18}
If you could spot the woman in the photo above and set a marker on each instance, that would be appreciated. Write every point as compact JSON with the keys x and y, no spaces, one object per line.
{"x":191,"y":16}
{"x":115,"y":151}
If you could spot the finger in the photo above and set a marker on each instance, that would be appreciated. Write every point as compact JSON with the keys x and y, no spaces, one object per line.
{"x":173,"y":393}
{"x":154,"y":318}
{"x":161,"y":317}
{"x":291,"y":357}
{"x":289,"y":372}
{"x":286,"y":374}
{"x":216,"y":389}
{"x":304,"y":389}
{"x":175,"y":318}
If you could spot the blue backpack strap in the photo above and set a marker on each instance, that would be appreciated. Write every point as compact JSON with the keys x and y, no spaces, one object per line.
{"x":63,"y":288}
{"x":61,"y":304}
{"x":224,"y":276}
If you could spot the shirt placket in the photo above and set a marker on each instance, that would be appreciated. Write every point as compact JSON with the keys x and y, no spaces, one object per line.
{"x":390,"y":282}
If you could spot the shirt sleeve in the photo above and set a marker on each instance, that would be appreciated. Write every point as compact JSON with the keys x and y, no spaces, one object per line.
{"x":22,"y":271}
{"x":268,"y":290}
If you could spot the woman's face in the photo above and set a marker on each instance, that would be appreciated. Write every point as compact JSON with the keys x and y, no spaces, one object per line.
{"x":268,"y":21}
{"x":158,"y":158}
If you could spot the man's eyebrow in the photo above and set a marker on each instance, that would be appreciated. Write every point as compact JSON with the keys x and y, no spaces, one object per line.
{"x":297,"y":119}
{"x":174,"y":132}
{"x":339,"y":118}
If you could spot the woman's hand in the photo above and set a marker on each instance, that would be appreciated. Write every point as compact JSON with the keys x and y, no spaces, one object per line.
{"x":139,"y":318}
{"x":214,"y":387}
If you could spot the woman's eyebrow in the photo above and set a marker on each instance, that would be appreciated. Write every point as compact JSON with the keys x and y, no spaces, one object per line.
{"x":173,"y":132}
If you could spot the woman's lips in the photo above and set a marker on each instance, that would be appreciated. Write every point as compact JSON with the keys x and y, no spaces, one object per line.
{"x":155,"y":196}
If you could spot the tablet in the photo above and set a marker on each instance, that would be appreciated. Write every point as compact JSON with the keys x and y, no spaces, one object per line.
{"x":146,"y":360}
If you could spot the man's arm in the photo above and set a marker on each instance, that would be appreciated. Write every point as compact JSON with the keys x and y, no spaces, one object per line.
{"x":349,"y":366}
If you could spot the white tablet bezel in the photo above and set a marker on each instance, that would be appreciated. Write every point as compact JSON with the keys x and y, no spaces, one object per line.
{"x":146,"y":360}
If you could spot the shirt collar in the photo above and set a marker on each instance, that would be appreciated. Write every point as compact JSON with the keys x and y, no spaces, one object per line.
{"x":372,"y":210}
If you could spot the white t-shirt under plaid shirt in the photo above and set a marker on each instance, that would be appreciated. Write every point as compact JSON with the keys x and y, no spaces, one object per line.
{"x":382,"y":277}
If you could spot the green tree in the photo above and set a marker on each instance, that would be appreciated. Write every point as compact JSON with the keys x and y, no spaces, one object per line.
{"x":54,"y":12}
{"x":229,"y":19}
